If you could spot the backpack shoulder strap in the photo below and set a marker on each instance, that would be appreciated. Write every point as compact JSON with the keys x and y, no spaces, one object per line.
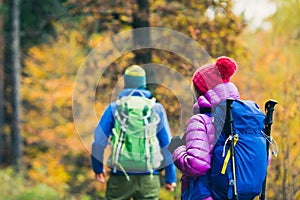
{"x":219,"y":114}
{"x":206,"y":111}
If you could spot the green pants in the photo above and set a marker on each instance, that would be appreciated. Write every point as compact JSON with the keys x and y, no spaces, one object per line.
{"x":139,"y":187}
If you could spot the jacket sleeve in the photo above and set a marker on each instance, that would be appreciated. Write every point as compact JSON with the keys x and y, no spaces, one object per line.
{"x":164,"y":137}
{"x":194,"y":158}
{"x":101,"y":135}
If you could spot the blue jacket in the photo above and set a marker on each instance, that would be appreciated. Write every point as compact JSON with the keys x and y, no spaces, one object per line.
{"x":104,"y":130}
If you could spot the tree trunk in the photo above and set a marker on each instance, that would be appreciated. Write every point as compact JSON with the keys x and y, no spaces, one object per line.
{"x":141,"y":19}
{"x":16,"y":138}
{"x":143,"y":39}
{"x":2,"y":99}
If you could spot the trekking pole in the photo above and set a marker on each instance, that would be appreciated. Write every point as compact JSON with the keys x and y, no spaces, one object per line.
{"x":229,"y":121}
{"x":269,"y":109}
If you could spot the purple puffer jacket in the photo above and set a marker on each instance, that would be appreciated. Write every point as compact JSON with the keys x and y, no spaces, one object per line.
{"x":194,"y":159}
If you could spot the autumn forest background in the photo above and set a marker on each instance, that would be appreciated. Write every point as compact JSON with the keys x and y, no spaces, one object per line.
{"x":44,"y":43}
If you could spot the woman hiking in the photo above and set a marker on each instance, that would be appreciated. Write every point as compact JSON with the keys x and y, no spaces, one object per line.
{"x":192,"y":154}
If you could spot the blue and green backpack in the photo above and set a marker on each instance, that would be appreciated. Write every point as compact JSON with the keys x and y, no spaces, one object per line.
{"x":135,"y":147}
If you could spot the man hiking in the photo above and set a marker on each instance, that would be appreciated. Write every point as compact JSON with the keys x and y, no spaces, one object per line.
{"x":139,"y":132}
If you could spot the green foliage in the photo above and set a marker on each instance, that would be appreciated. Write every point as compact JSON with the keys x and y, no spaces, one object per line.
{"x":16,"y":187}
{"x":165,"y":195}
{"x":38,"y":19}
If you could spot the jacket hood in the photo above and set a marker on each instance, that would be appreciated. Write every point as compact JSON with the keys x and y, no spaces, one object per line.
{"x":214,"y":96}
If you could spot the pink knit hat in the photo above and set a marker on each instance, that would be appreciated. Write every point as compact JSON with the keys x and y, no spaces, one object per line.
{"x":210,"y":75}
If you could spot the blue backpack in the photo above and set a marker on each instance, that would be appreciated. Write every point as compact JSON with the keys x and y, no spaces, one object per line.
{"x":249,"y":150}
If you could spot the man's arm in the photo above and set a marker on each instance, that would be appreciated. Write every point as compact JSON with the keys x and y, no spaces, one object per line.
{"x":101,"y":135}
{"x":164,"y":137}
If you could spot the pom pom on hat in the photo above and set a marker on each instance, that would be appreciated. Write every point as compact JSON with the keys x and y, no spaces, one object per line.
{"x":210,"y":75}
{"x":227,"y":67}
{"x":135,"y":77}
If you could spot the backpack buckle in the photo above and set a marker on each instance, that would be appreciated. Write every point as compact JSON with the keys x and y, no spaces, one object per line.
{"x":231,"y":182}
